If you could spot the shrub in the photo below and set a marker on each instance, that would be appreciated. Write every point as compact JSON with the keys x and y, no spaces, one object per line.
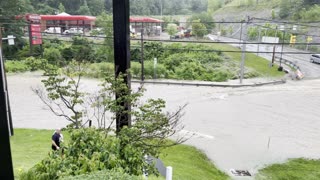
{"x":53,"y":56}
{"x":92,"y":150}
{"x":16,"y":66}
{"x":35,"y":63}
{"x":97,"y":70}
{"x":89,"y":150}
{"x":135,"y":70}
{"x":103,"y":175}
{"x":161,"y":71}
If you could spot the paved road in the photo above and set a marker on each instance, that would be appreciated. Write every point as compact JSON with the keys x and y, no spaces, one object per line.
{"x":310,"y":70}
{"x":241,"y":128}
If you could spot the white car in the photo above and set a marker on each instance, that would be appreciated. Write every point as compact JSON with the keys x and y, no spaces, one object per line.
{"x":53,"y":30}
{"x":73,"y":31}
{"x":315,"y":58}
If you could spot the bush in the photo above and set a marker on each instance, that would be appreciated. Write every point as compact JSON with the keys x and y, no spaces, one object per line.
{"x":53,"y":56}
{"x":97,"y":70}
{"x":103,"y":175}
{"x":35,"y":63}
{"x":16,"y":66}
{"x":135,"y":70}
{"x":91,"y":150}
{"x":161,"y":71}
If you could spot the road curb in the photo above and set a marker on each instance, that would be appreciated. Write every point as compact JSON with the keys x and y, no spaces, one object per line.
{"x":276,"y":82}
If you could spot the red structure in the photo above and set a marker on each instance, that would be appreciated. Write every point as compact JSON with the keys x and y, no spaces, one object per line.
{"x":34,"y":29}
{"x":144,"y":20}
{"x":65,"y":21}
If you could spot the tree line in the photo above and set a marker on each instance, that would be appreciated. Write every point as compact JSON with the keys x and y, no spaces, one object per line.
{"x":96,"y":7}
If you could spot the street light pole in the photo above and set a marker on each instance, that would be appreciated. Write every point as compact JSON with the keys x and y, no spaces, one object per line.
{"x":283,"y":35}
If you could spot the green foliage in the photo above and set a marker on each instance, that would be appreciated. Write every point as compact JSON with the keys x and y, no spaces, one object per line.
{"x":271,"y":31}
{"x":16,"y":66}
{"x":198,"y":28}
{"x":161,"y":71}
{"x":99,"y":70}
{"x":89,"y":150}
{"x":53,"y":56}
{"x":312,"y":14}
{"x":36,"y":64}
{"x":30,"y":146}
{"x":294,"y":169}
{"x":63,"y":91}
{"x":105,"y":21}
{"x":284,"y":9}
{"x":205,"y":18}
{"x":135,"y":70}
{"x":82,"y":50}
{"x":214,"y":5}
{"x":61,"y":8}
{"x":84,"y":9}
{"x":103,"y":175}
{"x":153,"y":50}
{"x":172,"y":29}
{"x":12,"y":26}
{"x":92,"y":150}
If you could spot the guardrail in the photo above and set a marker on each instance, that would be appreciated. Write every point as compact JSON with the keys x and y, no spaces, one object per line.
{"x":209,"y":84}
{"x":288,"y":62}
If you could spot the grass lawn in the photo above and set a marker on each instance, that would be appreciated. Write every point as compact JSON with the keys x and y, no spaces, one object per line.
{"x":30,"y":146}
{"x":252,"y":61}
{"x":189,"y":163}
{"x":294,"y":169}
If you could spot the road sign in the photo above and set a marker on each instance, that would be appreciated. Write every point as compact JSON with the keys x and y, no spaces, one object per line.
{"x":35,"y":30}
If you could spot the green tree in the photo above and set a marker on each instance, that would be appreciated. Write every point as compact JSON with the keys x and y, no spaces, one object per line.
{"x":62,"y":93}
{"x":198,"y":29}
{"x":61,"y":8}
{"x":147,"y":135}
{"x":105,"y":21}
{"x":96,"y":7}
{"x":82,"y":50}
{"x":11,"y":26}
{"x":204,"y":18}
{"x":172,"y":29}
{"x":284,"y":9}
{"x":214,"y":5}
{"x":84,"y":9}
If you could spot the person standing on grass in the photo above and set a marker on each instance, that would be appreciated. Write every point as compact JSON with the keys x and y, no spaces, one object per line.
{"x":56,"y":140}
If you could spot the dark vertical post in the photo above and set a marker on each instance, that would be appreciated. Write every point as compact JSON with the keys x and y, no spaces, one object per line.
{"x":30,"y":39}
{"x":5,"y":150}
{"x":283,"y":35}
{"x":122,"y":54}
{"x":142,"y":54}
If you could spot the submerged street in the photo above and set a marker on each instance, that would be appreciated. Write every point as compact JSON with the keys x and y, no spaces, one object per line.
{"x":237,"y":128}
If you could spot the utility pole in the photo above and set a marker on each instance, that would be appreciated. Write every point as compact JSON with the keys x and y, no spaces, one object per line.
{"x":259,"y":40}
{"x":283,"y":36}
{"x":122,"y":57}
{"x":243,"y":55}
{"x":142,"y":54}
{"x":5,"y":150}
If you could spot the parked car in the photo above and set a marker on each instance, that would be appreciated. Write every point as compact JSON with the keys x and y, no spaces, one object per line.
{"x":315,"y":58}
{"x":53,"y":30}
{"x":73,"y":31}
